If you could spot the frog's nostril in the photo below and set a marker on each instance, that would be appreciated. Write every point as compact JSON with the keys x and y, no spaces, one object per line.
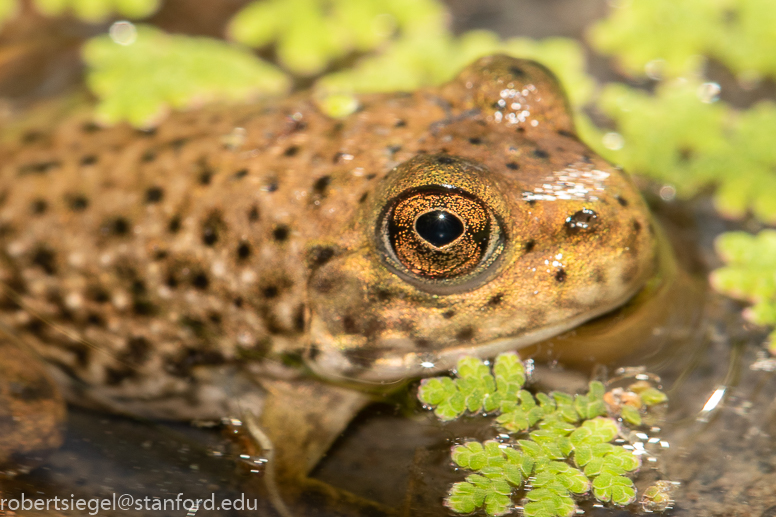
{"x":582,"y":220}
{"x":439,"y":227}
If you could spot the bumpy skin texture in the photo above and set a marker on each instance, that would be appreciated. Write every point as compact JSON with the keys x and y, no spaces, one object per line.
{"x":155,"y":266}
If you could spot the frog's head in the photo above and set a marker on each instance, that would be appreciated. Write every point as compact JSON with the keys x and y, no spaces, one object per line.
{"x":481,"y":249}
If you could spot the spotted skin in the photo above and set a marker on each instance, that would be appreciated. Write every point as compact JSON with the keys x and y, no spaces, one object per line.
{"x":151,"y":268}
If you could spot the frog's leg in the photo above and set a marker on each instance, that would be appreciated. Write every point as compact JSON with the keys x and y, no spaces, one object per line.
{"x":32,"y":411}
{"x":299,"y":422}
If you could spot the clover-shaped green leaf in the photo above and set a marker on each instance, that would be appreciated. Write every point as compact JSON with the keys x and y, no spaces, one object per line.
{"x":631,"y":415}
{"x":465,"y":497}
{"x":652,"y":397}
{"x":617,"y":489}
{"x":595,"y":431}
{"x":547,"y":503}
{"x":443,"y":393}
{"x":142,"y":78}
{"x":521,"y":414}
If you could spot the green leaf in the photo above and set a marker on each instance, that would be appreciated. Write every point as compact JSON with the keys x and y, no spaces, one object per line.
{"x":98,"y":10}
{"x":617,"y":489}
{"x":631,"y":415}
{"x":595,"y":431}
{"x":139,"y":82}
{"x":465,"y":497}
{"x":749,"y":273}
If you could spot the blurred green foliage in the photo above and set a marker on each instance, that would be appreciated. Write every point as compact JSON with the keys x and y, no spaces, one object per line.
{"x":750,"y":274}
{"x":97,"y":10}
{"x":144,"y":74}
{"x":671,"y":36}
{"x":558,"y":441}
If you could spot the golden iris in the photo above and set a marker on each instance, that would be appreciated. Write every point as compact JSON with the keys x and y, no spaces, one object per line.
{"x":438,"y":232}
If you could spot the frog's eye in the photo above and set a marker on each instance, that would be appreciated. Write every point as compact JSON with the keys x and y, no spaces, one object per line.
{"x":439,"y":233}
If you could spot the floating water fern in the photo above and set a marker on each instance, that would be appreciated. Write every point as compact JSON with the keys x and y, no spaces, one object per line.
{"x":309,"y":34}
{"x":750,"y":274}
{"x":565,"y":450}
{"x":668,"y":37}
{"x":138,"y":77}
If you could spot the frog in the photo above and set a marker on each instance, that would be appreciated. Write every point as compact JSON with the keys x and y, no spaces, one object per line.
{"x":270,"y":262}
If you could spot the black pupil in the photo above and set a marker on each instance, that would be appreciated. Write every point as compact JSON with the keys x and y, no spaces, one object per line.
{"x":439,"y":228}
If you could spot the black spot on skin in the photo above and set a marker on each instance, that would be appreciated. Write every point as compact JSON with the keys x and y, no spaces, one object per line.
{"x":200,"y":281}
{"x":582,"y":220}
{"x":174,"y":226}
{"x":496,"y":300}
{"x":38,"y":207}
{"x":253,"y":214}
{"x":115,"y":376}
{"x":238,"y":302}
{"x":243,"y":251}
{"x":31,"y":390}
{"x":337,"y":157}
{"x":465,"y":334}
{"x":171,"y":281}
{"x":146,"y":133}
{"x":205,"y":177}
{"x":400,"y":123}
{"x":349,"y":324}
{"x":516,"y":71}
{"x":45,"y":258}
{"x":97,"y":294}
{"x":531,"y":202}
{"x":384,"y":295}
{"x":212,"y":228}
{"x":95,"y":319}
{"x":148,"y":156}
{"x":142,"y":306}
{"x":39,"y":167}
{"x":363,"y":197}
{"x":280,"y":233}
{"x":529,"y":245}
{"x":636,"y":226}
{"x":178,"y":143}
{"x":77,"y":202}
{"x":182,"y":363}
{"x":563,"y":132}
{"x":392,"y":149}
{"x":299,"y":318}
{"x":448,"y":314}
{"x":445,"y":160}
{"x":560,"y":275}
{"x":240,"y":174}
{"x":325,"y":285}
{"x":90,"y":127}
{"x":214,"y":318}
{"x":599,"y":276}
{"x":475,"y":141}
{"x":118,"y":226}
{"x":89,"y":159}
{"x":622,"y":201}
{"x":320,"y":186}
{"x":319,"y":255}
{"x":154,"y":195}
{"x":586,"y":159}
{"x":272,"y":186}
{"x":291,"y":151}
{"x":512,"y":166}
{"x":370,"y":177}
{"x":30,"y":137}
{"x":541,"y":153}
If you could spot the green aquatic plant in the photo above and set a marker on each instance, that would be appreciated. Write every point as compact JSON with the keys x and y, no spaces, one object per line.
{"x":750,"y":274}
{"x":421,"y":60}
{"x":86,"y":10}
{"x":138,"y":76}
{"x":310,"y":34}
{"x":665,"y":37}
{"x":559,"y":444}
